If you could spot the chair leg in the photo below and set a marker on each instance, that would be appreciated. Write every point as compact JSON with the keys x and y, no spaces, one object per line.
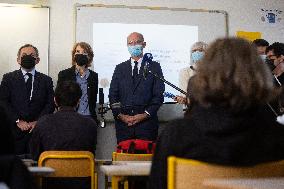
{"x":126,"y":184}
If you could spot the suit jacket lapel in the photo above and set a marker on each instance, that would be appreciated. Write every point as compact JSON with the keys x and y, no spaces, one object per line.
{"x":36,"y":84}
{"x":128,"y":76}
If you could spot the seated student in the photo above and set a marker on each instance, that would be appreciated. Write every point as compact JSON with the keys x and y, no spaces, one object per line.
{"x":66,"y":129}
{"x":229,"y":123}
{"x":12,"y":170}
{"x":261,"y":45}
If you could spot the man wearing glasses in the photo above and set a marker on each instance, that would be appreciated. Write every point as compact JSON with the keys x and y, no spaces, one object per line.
{"x":27,"y":95}
{"x":136,"y":99}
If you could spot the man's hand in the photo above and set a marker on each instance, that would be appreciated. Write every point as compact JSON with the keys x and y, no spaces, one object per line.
{"x":126,"y":119}
{"x":32,"y":125}
{"x":139,"y":117}
{"x":181,"y":99}
{"x":23,"y":125}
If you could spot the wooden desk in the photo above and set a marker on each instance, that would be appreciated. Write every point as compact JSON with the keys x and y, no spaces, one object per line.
{"x":121,"y":169}
{"x":245,"y":183}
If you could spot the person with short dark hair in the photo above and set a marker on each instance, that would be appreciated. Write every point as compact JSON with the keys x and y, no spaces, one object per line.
{"x":261,"y":45}
{"x":66,"y":129}
{"x":275,"y":60}
{"x":229,"y":122}
{"x":27,"y":95}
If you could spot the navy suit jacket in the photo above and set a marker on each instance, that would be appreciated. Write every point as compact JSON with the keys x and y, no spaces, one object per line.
{"x":15,"y":98}
{"x":144,"y":95}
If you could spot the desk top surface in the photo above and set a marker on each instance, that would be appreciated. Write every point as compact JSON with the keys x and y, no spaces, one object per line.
{"x":41,"y":171}
{"x":127,"y":168}
{"x":246,"y":183}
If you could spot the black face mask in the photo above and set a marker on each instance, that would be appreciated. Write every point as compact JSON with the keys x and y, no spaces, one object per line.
{"x":81,"y":59}
{"x":270,"y":64}
{"x":28,"y":62}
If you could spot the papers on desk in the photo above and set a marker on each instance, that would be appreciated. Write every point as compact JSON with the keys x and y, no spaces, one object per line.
{"x":127,"y":168}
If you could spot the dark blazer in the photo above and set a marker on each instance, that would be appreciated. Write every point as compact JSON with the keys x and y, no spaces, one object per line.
{"x":64,"y":130}
{"x":219,"y":136}
{"x":70,"y":75}
{"x":144,"y":95}
{"x":13,"y":95}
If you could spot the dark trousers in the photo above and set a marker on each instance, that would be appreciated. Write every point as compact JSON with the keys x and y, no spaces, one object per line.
{"x":21,"y":141}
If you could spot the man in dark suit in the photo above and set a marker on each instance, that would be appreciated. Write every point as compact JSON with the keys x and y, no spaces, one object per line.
{"x":66,"y":129}
{"x":26,"y":95}
{"x":139,"y":98}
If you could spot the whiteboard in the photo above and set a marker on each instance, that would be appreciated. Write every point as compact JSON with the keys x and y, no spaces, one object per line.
{"x":20,"y":26}
{"x":90,"y":19}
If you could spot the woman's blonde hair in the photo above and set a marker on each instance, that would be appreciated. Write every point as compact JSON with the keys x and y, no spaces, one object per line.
{"x":232,"y":75}
{"x":88,"y":50}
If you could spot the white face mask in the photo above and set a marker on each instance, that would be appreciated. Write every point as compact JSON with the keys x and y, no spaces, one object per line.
{"x":263,"y":57}
{"x":196,"y":56}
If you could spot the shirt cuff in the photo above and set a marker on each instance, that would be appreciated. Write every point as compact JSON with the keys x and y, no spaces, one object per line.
{"x":147,"y":113}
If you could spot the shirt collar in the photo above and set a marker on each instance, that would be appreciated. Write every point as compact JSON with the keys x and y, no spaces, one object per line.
{"x":24,"y":72}
{"x":139,"y":61}
{"x":86,"y":74}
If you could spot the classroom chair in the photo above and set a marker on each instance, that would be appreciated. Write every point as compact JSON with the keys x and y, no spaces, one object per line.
{"x":70,"y":165}
{"x":187,"y":173}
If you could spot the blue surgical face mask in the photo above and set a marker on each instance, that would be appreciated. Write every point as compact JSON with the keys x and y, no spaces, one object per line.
{"x":135,"y":50}
{"x":263,"y":57}
{"x":196,"y":56}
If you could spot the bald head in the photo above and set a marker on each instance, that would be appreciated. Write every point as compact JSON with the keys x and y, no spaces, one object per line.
{"x":135,"y":37}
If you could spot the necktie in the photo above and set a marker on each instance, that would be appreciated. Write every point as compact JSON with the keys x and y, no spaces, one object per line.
{"x":135,"y":71}
{"x":29,"y":84}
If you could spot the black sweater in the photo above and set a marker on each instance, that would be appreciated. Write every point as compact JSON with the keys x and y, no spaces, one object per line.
{"x":217,"y":135}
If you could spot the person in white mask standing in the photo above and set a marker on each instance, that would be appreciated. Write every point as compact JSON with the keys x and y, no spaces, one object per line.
{"x":197,"y":52}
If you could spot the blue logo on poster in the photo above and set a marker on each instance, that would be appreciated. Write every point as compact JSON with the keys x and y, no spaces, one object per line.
{"x":271,"y":17}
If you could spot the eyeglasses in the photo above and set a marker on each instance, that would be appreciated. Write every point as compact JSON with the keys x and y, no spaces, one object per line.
{"x":272,"y":57}
{"x":135,"y":42}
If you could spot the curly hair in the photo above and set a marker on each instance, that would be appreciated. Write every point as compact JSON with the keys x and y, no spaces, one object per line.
{"x":88,"y":50}
{"x":232,"y":75}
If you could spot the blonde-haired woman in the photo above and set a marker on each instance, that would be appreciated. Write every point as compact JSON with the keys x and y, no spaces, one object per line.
{"x":82,"y":58}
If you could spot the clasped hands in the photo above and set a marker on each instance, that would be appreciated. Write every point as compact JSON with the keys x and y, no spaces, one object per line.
{"x":25,"y":126}
{"x":132,"y":120}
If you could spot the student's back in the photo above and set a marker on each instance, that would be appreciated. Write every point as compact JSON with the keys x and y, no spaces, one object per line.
{"x":65,"y":130}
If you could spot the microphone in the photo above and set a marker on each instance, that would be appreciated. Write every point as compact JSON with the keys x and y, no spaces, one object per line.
{"x":101,"y":96}
{"x":147,"y":59}
{"x":101,"y":108}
